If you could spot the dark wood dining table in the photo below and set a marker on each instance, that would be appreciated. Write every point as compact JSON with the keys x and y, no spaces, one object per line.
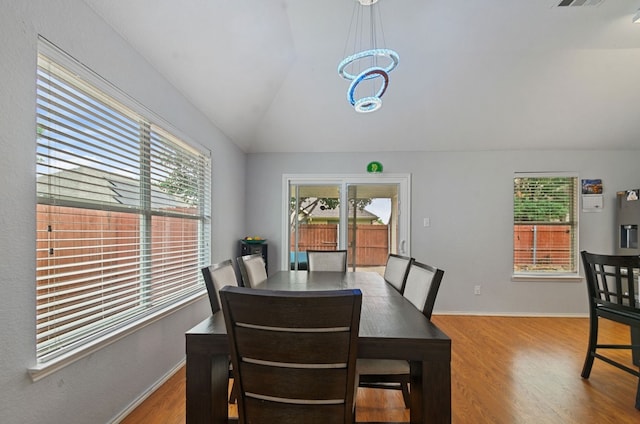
{"x":390,"y":328}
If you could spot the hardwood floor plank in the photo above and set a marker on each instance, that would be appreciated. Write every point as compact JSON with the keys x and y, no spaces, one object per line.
{"x":505,"y":370}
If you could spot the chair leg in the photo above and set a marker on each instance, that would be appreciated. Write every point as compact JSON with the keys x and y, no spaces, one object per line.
{"x":233,"y":397}
{"x":638,"y":395}
{"x":593,"y":340}
{"x":405,"y":395}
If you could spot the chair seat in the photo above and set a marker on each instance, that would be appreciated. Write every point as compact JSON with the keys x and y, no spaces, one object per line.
{"x":619,"y":314}
{"x":382,"y":366}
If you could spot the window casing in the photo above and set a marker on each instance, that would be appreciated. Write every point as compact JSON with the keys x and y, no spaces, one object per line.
{"x":545,"y":225}
{"x":123,"y":211}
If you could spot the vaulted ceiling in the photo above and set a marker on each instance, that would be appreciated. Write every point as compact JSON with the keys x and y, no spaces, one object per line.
{"x":473,"y":74}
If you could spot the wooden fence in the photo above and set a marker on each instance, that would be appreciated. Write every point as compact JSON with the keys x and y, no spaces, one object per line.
{"x":372,"y":241}
{"x":94,"y":256}
{"x":542,"y":246}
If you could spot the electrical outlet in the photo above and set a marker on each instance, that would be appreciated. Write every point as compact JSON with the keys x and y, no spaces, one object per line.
{"x":476,"y":290}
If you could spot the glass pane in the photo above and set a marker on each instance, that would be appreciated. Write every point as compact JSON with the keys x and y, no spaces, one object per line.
{"x":314,"y":221}
{"x":373,"y":225}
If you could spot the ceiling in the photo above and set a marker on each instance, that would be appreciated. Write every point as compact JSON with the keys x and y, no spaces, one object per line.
{"x":473,"y":75}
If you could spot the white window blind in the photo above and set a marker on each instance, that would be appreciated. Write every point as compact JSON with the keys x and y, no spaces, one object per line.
{"x":123,"y":213}
{"x":545,"y":224}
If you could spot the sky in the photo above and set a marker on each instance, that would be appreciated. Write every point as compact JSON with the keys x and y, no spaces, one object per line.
{"x":381,"y":208}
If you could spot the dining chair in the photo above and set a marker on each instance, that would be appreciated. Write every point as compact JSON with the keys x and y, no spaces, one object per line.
{"x":613,"y":295}
{"x":420,"y":288}
{"x":396,"y":270}
{"x":252,"y":269}
{"x":295,"y":353}
{"x":217,"y":276}
{"x":327,"y":260}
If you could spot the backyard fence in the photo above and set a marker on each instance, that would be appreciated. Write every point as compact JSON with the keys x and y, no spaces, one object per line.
{"x":542,"y":246}
{"x":371,"y":241}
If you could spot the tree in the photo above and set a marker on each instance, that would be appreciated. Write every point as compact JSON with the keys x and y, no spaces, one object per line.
{"x":543,"y":199}
{"x":306,"y":205}
{"x":182,"y":171}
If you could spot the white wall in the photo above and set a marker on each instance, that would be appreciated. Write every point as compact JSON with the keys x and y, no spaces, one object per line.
{"x":99,"y":387}
{"x":468,"y":197}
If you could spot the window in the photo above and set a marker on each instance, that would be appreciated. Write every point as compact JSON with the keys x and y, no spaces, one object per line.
{"x":122,"y":212}
{"x":545,"y":224}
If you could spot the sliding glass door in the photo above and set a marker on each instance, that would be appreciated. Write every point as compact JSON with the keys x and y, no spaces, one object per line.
{"x":374,"y":223}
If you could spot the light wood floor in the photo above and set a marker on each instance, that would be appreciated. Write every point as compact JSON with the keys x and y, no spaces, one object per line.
{"x":504,"y":370}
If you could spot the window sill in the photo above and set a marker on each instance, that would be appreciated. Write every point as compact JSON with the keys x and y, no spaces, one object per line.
{"x":44,"y":369}
{"x":571,"y":278}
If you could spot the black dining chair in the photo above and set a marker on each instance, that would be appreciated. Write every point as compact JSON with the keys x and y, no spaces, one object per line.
{"x":420,"y":288}
{"x":294,"y":353}
{"x":217,"y":276}
{"x":327,"y":260}
{"x":613,"y":295}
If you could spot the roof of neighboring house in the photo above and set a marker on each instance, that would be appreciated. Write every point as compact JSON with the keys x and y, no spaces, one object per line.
{"x":322,"y":212}
{"x":100,"y":186}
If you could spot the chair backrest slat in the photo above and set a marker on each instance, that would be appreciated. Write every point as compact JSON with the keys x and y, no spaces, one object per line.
{"x":294,"y":353}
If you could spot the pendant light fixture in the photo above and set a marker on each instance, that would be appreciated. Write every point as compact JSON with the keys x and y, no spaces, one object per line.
{"x":369,"y":65}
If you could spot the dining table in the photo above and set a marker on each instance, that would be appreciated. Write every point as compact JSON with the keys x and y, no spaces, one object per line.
{"x":391,"y":327}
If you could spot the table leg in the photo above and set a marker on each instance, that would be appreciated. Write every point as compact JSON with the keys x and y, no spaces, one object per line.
{"x":635,"y":340}
{"x":431,"y":392}
{"x":206,"y":391}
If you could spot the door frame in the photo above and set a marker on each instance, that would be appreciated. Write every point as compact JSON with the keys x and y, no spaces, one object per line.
{"x":404,"y":205}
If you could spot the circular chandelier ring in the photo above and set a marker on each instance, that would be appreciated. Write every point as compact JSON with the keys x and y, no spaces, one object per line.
{"x":388,"y":53}
{"x":370,"y":73}
{"x":368,"y":104}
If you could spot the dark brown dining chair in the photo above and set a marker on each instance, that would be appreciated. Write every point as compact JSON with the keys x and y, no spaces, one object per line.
{"x":327,"y":260}
{"x":613,"y":295}
{"x":252,"y":269}
{"x":420,"y":288}
{"x":295,"y":353}
{"x":217,"y":276}
{"x":396,"y":270}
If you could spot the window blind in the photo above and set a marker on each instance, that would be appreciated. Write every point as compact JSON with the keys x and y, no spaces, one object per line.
{"x":545,"y":223}
{"x":123,"y":213}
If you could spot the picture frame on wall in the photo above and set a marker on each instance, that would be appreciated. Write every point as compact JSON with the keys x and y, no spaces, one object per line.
{"x":591,"y":186}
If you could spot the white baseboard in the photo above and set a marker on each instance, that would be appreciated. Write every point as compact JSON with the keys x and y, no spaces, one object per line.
{"x":122,"y":415}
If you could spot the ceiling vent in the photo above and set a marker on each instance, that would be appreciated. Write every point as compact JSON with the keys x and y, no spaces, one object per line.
{"x":579,"y":3}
